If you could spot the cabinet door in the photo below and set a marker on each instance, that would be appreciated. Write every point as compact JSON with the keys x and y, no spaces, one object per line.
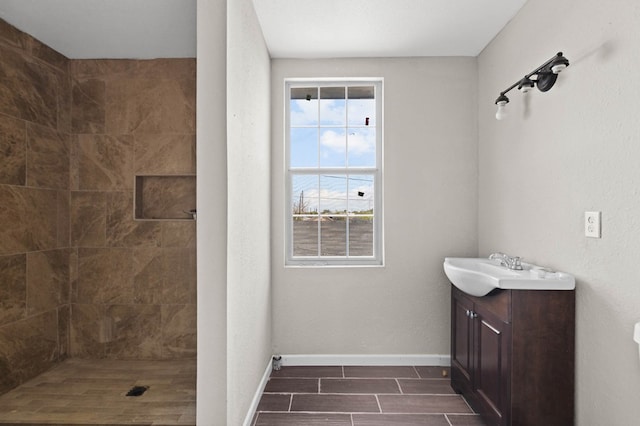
{"x":462,"y":337}
{"x":492,"y":368}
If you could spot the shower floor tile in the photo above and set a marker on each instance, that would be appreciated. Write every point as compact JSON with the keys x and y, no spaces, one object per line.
{"x":92,"y":392}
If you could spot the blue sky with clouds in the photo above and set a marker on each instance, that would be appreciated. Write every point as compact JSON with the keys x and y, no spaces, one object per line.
{"x":333,"y":133}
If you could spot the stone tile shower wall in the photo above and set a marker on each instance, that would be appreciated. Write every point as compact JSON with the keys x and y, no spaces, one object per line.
{"x":78,"y":275}
{"x":35,"y":141}
{"x":133,"y":293}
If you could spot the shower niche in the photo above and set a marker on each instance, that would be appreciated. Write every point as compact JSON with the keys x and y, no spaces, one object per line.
{"x":164,"y":197}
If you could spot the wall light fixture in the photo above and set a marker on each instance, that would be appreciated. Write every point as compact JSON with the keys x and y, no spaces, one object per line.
{"x":543,"y":77}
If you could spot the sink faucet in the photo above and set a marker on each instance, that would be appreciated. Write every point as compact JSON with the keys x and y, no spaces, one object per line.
{"x":511,"y":262}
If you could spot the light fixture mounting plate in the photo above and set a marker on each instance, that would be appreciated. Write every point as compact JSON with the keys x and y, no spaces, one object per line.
{"x":546,"y":80}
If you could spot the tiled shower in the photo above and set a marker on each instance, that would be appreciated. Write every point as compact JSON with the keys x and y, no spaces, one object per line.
{"x":81,"y":275}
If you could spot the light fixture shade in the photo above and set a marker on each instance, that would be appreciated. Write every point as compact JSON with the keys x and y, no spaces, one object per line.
{"x":526,"y":84}
{"x":559,"y":63}
{"x":558,"y":68}
{"x":502,"y":102}
{"x":502,"y":99}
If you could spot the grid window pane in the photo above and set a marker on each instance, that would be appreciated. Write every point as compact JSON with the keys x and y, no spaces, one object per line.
{"x":304,"y":206}
{"x":362,"y":106}
{"x":305,"y":236}
{"x":335,"y":92}
{"x":303,"y":147}
{"x":333,"y":147}
{"x":333,"y":231}
{"x":361,"y":194}
{"x":333,"y":194}
{"x":361,"y":147}
{"x":333,"y":106}
{"x":303,"y":106}
{"x":304,"y":194}
{"x":361,"y":236}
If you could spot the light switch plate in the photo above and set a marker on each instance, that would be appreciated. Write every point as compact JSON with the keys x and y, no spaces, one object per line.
{"x":592,"y":224}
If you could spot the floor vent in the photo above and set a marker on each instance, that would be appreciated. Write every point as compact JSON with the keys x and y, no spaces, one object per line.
{"x":137,"y":390}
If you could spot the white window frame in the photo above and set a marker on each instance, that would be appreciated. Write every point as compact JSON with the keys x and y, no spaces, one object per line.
{"x":378,"y":238}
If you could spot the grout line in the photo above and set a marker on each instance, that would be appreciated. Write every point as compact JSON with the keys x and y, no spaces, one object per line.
{"x":290,"y":402}
{"x":378,"y":402}
{"x":319,"y":385}
{"x":343,"y":375}
{"x":447,"y":395}
{"x":351,"y":417}
{"x":399,"y":387}
{"x":409,"y":413}
{"x":447,"y":419}
{"x":335,"y":412}
{"x":416,"y":370}
{"x":365,"y":378}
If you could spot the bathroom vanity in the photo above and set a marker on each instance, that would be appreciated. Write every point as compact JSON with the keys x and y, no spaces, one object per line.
{"x":512,"y":355}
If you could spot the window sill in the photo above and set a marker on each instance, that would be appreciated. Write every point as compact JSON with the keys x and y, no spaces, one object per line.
{"x":324,"y":265}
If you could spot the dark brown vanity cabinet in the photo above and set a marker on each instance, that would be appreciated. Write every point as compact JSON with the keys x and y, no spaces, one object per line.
{"x":512,"y":355}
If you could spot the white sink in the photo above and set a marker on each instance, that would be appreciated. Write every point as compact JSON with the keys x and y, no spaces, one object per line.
{"x":478,"y":276}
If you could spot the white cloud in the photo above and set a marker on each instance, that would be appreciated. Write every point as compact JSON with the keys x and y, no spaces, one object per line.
{"x":333,"y":140}
{"x":359,"y":143}
{"x":305,"y":112}
{"x":360,"y":109}
{"x":333,"y":112}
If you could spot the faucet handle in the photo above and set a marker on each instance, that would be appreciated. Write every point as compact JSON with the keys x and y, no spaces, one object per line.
{"x":517,"y":264}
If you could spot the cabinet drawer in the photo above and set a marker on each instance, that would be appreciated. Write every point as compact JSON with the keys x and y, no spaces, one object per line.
{"x":498,"y":302}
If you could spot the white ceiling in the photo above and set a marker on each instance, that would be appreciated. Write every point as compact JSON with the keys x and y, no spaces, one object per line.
{"x":381,"y":28}
{"x":82,"y":29}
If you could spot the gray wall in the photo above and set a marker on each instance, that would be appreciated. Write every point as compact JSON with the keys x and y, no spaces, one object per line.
{"x":560,"y":154}
{"x":249,"y":201}
{"x":430,"y":198}
{"x":233,"y":157}
{"x":211,"y":154}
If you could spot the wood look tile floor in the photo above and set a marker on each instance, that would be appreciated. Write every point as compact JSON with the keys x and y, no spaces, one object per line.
{"x":92,"y":392}
{"x":362,"y":396}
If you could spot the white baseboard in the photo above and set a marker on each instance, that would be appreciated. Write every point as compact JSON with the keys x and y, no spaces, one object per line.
{"x":368,"y":360}
{"x":256,"y":397}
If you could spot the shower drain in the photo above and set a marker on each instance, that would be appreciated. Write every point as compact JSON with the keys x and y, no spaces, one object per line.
{"x":137,"y":390}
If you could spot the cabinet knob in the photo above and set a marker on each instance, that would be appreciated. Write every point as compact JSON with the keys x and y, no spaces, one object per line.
{"x":473,"y":315}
